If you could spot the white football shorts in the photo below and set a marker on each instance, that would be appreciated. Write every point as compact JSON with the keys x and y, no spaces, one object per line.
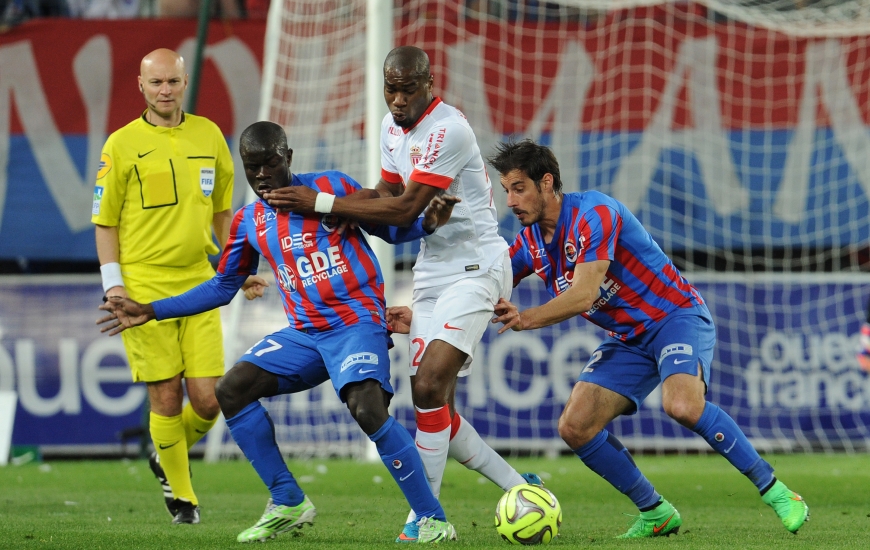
{"x":458,"y":313}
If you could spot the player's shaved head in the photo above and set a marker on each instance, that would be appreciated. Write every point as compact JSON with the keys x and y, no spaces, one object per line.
{"x":407,"y":85}
{"x":265,"y":137}
{"x":410,"y":60}
{"x":161,"y":59}
{"x":265,"y":157}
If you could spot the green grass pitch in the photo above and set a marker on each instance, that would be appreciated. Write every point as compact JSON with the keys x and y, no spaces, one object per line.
{"x":118,"y":504}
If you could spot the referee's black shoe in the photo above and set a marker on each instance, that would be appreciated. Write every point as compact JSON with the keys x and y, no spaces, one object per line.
{"x":157,"y":469}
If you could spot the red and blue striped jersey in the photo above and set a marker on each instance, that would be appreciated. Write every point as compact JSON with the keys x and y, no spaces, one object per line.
{"x":326,"y":280}
{"x":641,"y":286}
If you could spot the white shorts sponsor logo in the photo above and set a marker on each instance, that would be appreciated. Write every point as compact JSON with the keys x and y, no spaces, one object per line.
{"x":682,"y":349}
{"x":364,"y":358}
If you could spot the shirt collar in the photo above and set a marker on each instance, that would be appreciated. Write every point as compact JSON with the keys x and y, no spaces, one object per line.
{"x":435,"y":102}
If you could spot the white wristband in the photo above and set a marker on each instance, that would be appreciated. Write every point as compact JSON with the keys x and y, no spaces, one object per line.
{"x":111,"y":273}
{"x":323,"y":203}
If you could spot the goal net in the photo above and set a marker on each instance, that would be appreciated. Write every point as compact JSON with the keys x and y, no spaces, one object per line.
{"x":737,"y":131}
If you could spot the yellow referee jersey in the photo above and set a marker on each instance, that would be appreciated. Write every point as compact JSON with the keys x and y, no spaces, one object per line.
{"x":161,"y":187}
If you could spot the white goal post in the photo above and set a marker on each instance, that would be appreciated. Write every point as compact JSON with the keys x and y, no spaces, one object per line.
{"x":736,"y":130}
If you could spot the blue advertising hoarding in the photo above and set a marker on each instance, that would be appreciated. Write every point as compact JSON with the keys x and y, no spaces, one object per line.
{"x":784,"y":368}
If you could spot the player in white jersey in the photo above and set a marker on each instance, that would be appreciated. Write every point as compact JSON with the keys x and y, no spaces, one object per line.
{"x":427,"y":148}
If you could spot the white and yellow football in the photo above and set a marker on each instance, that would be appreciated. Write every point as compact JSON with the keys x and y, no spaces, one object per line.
{"x":528,"y":514}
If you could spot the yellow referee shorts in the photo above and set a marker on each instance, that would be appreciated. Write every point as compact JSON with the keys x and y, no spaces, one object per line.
{"x":159,"y":350}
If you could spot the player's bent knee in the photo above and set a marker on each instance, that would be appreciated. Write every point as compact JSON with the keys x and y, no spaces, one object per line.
{"x":575,"y":432}
{"x":429,"y":393}
{"x":207,"y":408}
{"x":367,"y":405}
{"x":241,"y":386}
{"x":224,"y":393}
{"x":570,"y":434}
{"x":685,"y":411}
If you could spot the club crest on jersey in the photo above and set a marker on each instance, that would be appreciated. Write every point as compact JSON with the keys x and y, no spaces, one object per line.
{"x":206,"y":180}
{"x":416,"y":154}
{"x":286,"y":278}
{"x":329,"y":222}
{"x":570,"y":251}
{"x":397,"y":464}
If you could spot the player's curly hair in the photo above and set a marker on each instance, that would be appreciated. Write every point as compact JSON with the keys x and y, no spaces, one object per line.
{"x":533,"y":159}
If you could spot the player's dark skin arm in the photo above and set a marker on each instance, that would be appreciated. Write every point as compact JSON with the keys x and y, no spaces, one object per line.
{"x":124,"y":313}
{"x":381,"y":190}
{"x":400,"y":211}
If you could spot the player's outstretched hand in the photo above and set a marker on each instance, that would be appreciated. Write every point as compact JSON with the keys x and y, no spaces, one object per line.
{"x":124,"y":313}
{"x":254,"y":287}
{"x":296,"y":198}
{"x":399,"y":319}
{"x":438,"y":211}
{"x":509,"y":315}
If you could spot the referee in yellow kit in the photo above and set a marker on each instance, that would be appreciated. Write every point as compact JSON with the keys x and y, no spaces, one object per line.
{"x":165,"y":182}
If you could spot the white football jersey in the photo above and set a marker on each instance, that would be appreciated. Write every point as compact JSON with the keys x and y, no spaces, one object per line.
{"x":441,"y":151}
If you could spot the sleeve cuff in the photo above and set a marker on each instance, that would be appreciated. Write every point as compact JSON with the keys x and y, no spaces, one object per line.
{"x":390,"y":177}
{"x":435,"y":180}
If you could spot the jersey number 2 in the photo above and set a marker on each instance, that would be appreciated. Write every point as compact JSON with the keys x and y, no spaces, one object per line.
{"x":421,"y":347}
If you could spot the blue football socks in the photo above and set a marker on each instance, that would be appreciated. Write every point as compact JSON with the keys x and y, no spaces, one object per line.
{"x":727,"y":439}
{"x":607,"y":456}
{"x":401,"y":458}
{"x":254,"y":433}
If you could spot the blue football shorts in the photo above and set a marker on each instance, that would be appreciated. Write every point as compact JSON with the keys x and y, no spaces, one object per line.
{"x":678,"y":344}
{"x":303,"y":360}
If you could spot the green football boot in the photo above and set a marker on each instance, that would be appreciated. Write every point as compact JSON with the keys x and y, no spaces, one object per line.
{"x":278,"y":519}
{"x":432,"y":530}
{"x":662,"y":521}
{"x":791,"y":508}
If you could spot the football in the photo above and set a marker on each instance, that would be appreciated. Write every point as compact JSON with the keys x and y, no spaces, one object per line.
{"x":528,"y":514}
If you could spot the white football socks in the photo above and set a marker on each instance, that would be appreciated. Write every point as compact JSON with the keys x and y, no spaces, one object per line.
{"x":469,"y":449}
